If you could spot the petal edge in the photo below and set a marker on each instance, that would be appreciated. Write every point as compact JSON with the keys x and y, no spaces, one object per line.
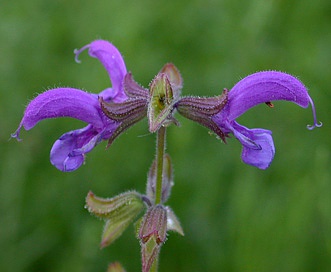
{"x":264,"y":87}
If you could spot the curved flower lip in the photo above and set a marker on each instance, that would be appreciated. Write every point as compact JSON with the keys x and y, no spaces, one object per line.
{"x":263,"y":87}
{"x":111,"y":59}
{"x":67,"y":154}
{"x":258,"y":146}
{"x":62,"y":102}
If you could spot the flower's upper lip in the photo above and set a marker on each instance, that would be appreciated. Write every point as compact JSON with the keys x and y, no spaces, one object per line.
{"x":111,"y":59}
{"x":62,"y":102}
{"x":264,"y":87}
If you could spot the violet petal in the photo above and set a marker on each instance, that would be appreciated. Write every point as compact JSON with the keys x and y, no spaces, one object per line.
{"x":258,"y":147}
{"x":108,"y":95}
{"x":111,"y":59}
{"x":263,"y":87}
{"x":68,"y":152}
{"x":62,"y":102}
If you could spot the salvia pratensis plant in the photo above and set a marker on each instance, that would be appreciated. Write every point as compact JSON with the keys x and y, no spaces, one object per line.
{"x":117,"y":108}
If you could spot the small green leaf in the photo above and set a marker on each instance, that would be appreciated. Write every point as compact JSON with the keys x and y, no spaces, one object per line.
{"x":106,"y":207}
{"x":119,"y":211}
{"x":173,"y":223}
{"x":113,"y":229}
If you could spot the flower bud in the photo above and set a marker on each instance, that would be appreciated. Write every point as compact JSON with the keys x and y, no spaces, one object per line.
{"x":174,"y":77}
{"x":154,"y":224}
{"x":152,"y":234}
{"x":160,"y":106}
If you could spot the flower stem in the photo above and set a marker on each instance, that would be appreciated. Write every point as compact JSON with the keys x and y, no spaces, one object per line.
{"x":160,"y":148}
{"x":154,"y":266}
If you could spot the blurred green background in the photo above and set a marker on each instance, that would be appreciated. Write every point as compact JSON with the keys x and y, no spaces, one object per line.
{"x":235,"y":217}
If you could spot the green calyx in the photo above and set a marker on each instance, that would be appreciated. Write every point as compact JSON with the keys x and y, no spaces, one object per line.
{"x":160,"y":106}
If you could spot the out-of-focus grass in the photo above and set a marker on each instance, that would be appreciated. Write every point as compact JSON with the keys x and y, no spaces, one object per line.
{"x":235,"y":217}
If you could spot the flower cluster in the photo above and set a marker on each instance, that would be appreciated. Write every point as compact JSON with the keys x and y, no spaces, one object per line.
{"x":115,"y":109}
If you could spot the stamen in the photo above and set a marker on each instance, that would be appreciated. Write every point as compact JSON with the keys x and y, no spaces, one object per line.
{"x":269,"y":104}
{"x":78,"y":51}
{"x":316,"y":123}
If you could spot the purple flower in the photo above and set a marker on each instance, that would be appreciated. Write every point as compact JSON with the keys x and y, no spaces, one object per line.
{"x":68,"y":152}
{"x":220,"y":113}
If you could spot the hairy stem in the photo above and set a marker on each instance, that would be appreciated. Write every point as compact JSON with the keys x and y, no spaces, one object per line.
{"x":154,"y":267}
{"x":160,"y":148}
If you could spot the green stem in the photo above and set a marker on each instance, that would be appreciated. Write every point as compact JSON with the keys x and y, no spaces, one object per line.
{"x":154,"y":266}
{"x":160,"y":148}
